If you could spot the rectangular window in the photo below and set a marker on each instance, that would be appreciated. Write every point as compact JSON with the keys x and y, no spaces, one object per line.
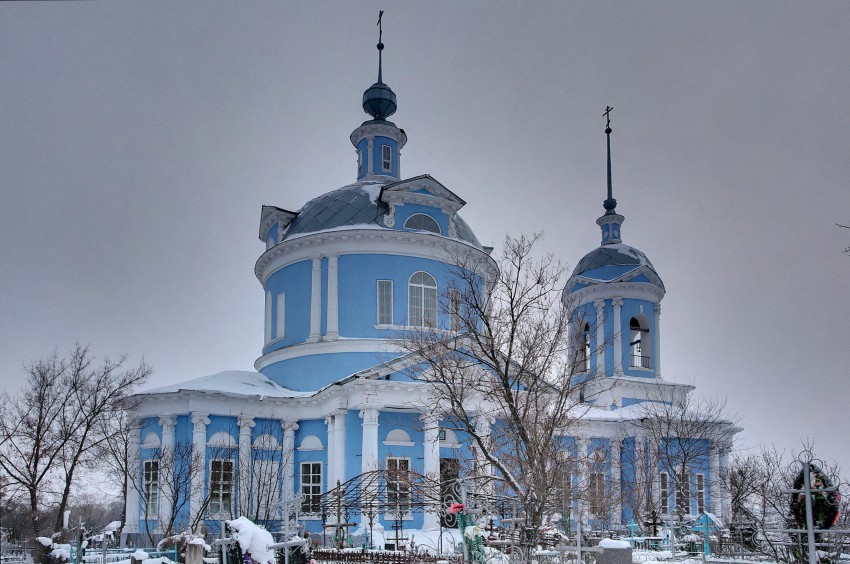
{"x":151,"y":487}
{"x":221,"y":486}
{"x":597,"y":494}
{"x":387,"y":158}
{"x":683,"y":493}
{"x":398,"y":485}
{"x":454,"y":309}
{"x":311,"y":488}
{"x":700,"y":494}
{"x":664,"y":493}
{"x":385,"y":302}
{"x":564,"y":495}
{"x":280,"y":316}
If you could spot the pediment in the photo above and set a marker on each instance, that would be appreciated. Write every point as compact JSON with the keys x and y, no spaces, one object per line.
{"x":271,"y":215}
{"x":423,"y":190}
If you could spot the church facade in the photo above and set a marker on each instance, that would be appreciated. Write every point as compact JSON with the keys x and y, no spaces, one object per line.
{"x":342,"y":276}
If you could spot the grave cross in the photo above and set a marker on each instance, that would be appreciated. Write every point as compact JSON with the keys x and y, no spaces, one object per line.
{"x":632,"y":526}
{"x":653,"y":522}
{"x":705,"y":525}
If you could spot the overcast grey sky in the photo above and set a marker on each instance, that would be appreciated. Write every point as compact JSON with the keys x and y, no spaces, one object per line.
{"x":139,"y":140}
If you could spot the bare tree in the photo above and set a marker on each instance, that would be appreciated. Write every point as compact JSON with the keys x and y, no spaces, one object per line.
{"x":31,"y":437}
{"x":94,"y":393}
{"x":681,"y":431}
{"x":758,"y":485}
{"x":501,"y":363}
{"x":113,"y":453}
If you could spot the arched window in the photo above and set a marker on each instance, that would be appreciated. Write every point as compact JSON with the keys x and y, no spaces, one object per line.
{"x":422,"y":222}
{"x":640,"y":344}
{"x":583,"y":352}
{"x":422,"y":300}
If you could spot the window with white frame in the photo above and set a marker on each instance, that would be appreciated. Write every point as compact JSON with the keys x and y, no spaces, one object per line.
{"x":583,"y":351}
{"x":150,"y":487}
{"x":454,"y":309}
{"x":683,"y":493}
{"x":422,"y":222}
{"x":311,"y":488}
{"x":700,"y":494}
{"x":280,"y":316}
{"x":664,"y":492}
{"x":221,"y":486}
{"x":640,"y":344}
{"x":422,"y":300}
{"x":398,"y":485}
{"x":387,"y":158}
{"x":597,"y":494}
{"x":385,"y":302}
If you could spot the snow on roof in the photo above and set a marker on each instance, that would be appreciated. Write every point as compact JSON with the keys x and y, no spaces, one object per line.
{"x":232,"y":383}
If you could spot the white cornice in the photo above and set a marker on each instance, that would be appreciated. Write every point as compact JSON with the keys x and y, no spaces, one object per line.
{"x":326,"y":347}
{"x":364,"y":241}
{"x":608,"y":290}
{"x":370,"y":130}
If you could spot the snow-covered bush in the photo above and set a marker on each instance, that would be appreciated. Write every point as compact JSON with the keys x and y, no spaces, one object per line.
{"x":253,"y":540}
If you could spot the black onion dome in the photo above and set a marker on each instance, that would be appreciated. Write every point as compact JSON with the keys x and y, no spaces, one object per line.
{"x":379,"y":101}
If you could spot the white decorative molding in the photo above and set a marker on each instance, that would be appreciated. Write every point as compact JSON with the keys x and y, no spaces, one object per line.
{"x":266,"y":441}
{"x":371,"y":130}
{"x":379,"y":346}
{"x":222,"y":439}
{"x":398,"y":437}
{"x":311,"y":443}
{"x":200,"y":422}
{"x":364,"y":240}
{"x":369,"y":416}
{"x":389,"y":218}
{"x":245,"y":421}
{"x":151,"y":441}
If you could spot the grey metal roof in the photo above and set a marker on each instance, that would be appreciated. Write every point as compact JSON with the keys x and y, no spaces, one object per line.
{"x":349,"y":205}
{"x":612,"y":255}
{"x":353,"y":205}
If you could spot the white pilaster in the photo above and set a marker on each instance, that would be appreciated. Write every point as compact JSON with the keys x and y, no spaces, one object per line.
{"x":246,"y":423}
{"x":288,"y":458}
{"x":339,"y":448}
{"x":331,"y":466}
{"x":715,"y":483}
{"x":332,"y":332}
{"x":600,"y":336}
{"x":618,"y":337}
{"x":726,"y":501}
{"x":431,"y":464}
{"x":369,"y":459}
{"x":616,"y":483}
{"x":133,"y":501}
{"x":370,"y":157}
{"x":168,"y":423}
{"x":199,"y":449}
{"x":316,"y":302}
{"x":656,"y":341}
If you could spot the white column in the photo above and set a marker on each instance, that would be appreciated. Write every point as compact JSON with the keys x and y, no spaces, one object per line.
{"x":339,"y":448}
{"x":316,"y":302}
{"x":726,"y":503}
{"x":640,"y":469}
{"x":369,"y":460}
{"x":715,"y":483}
{"x":616,"y":483}
{"x":199,"y":448}
{"x":600,"y":336}
{"x":656,"y":341}
{"x":331,"y":470}
{"x":618,"y":337}
{"x":288,"y":458}
{"x":583,"y":467}
{"x":332,"y":332}
{"x":370,"y":169}
{"x":133,"y":501}
{"x":246,"y":423}
{"x":168,"y":423}
{"x":431,"y":466}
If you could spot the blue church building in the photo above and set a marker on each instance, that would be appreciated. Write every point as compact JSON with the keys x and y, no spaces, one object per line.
{"x":326,"y":403}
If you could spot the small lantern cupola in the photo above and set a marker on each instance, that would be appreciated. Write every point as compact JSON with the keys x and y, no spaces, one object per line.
{"x":611,"y":221}
{"x":378,"y":141}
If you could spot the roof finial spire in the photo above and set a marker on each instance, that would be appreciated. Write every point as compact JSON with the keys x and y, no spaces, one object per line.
{"x":610,"y":204}
{"x":380,"y":44}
